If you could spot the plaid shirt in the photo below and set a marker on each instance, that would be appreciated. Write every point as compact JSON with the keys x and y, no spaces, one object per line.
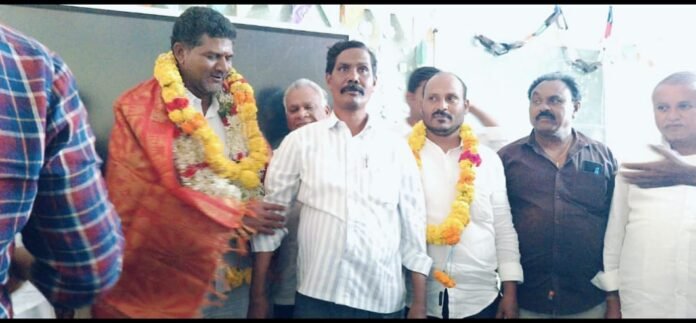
{"x":51,"y":188}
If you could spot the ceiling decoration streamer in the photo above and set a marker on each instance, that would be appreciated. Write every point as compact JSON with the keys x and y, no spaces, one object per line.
{"x":589,"y":67}
{"x":498,"y":49}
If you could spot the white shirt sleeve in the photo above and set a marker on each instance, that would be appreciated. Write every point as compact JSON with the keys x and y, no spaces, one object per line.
{"x":493,"y":137}
{"x":282,"y":183}
{"x":506,"y":242}
{"x":608,"y":279}
{"x":412,"y":217}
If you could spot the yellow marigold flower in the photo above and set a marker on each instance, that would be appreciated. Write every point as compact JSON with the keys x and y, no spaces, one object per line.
{"x":213,"y":147}
{"x":460,"y":206}
{"x":252,"y":129}
{"x":257,"y":142}
{"x":249,"y":108}
{"x":203,"y":133}
{"x":461,"y":186}
{"x":234,"y":76}
{"x":432,"y":234}
{"x":468,"y":192}
{"x":169,"y":94}
{"x":189,"y":113}
{"x":249,"y":179}
{"x":246,"y":164}
{"x":258,"y":157}
{"x":466,"y":177}
{"x":255,"y":146}
{"x":231,"y":172}
{"x":176,"y":116}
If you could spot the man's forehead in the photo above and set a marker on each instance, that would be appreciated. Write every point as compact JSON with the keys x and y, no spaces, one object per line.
{"x":206,"y":41}
{"x":353,"y":55}
{"x":443,"y":83}
{"x":551,"y":87}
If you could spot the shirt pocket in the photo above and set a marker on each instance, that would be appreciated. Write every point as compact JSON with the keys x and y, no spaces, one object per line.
{"x":588,"y":190}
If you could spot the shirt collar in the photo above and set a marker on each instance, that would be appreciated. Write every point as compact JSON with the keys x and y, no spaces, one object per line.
{"x":459,"y":148}
{"x":580,"y":142}
{"x":197,"y":103}
{"x":333,"y":122}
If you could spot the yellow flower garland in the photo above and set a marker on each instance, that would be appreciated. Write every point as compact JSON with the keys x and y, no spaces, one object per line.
{"x":192,"y":123}
{"x":450,"y":230}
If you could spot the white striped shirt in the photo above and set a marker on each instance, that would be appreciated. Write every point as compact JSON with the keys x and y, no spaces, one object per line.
{"x":363,"y":216}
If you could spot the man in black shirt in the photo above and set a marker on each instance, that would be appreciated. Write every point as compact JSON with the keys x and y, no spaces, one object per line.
{"x":559,"y":184}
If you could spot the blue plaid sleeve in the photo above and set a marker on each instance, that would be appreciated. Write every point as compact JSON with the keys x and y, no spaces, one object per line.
{"x":51,"y":187}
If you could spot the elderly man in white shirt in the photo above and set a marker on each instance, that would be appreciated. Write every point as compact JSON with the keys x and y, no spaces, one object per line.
{"x":471,"y":238}
{"x":305,"y":102}
{"x":363,"y":214}
{"x":649,"y":251}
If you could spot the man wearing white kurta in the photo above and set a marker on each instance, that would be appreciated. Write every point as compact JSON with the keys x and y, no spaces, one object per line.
{"x":650,"y":243}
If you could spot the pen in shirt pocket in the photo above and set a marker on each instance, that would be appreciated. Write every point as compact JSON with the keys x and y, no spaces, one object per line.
{"x":592,"y":167}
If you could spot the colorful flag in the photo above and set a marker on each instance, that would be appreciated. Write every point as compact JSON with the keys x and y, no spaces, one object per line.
{"x":610,"y":22}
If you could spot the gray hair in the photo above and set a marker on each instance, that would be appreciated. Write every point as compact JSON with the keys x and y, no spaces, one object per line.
{"x":303,"y":82}
{"x":683,"y":77}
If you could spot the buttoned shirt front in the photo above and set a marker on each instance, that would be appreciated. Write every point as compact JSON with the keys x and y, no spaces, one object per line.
{"x":488,"y":245}
{"x":560,"y":215}
{"x":363,"y":214}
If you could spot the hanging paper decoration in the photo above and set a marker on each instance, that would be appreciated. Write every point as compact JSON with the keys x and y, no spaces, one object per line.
{"x":351,"y":15}
{"x":299,"y":11}
{"x":580,"y":64}
{"x":589,"y":67}
{"x":498,"y":49}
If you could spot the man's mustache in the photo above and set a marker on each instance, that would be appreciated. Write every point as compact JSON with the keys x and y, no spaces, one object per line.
{"x":545,"y":114}
{"x":353,"y":87}
{"x":442,"y":113}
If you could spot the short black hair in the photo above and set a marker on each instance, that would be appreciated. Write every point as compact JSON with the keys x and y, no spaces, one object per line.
{"x":419,"y":75}
{"x":557,"y":76}
{"x":340,"y":46}
{"x":464,"y":89}
{"x":197,"y":21}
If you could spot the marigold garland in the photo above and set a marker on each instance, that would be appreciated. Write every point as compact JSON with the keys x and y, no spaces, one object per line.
{"x":245,"y":171}
{"x":450,"y":230}
{"x":444,"y":279}
{"x":200,"y":155}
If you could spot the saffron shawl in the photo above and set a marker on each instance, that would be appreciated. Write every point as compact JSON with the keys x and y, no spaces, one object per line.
{"x":175,"y":236}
